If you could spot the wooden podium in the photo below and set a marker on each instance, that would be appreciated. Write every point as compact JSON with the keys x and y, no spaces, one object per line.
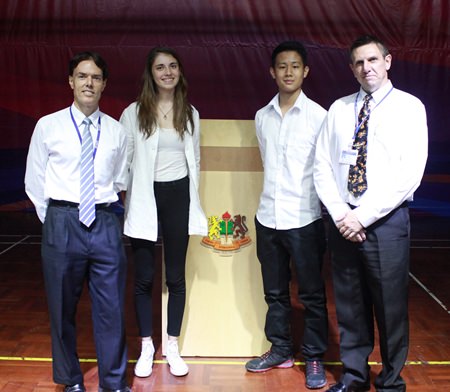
{"x":225,"y":308}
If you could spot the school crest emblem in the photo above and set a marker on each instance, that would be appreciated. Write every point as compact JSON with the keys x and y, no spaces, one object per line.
{"x":226,"y":233}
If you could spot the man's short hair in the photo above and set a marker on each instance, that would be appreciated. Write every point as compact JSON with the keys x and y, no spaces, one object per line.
{"x":94,"y":56}
{"x":365,"y":40}
{"x":288,"y":46}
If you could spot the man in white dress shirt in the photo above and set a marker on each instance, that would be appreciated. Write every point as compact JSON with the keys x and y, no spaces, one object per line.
{"x":74,"y":252}
{"x":288,"y":221}
{"x":369,"y":228}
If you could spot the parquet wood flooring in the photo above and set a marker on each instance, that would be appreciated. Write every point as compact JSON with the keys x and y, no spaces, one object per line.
{"x":25,"y":357}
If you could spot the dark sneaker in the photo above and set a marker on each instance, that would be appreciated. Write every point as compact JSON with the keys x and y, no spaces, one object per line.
{"x":315,"y":375}
{"x":267,"y":361}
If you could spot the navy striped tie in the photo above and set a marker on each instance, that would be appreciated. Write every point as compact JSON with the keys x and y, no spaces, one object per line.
{"x":87,"y":189}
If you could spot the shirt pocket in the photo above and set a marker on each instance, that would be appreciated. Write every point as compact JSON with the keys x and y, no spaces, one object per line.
{"x":106,"y":160}
{"x":301,"y":145}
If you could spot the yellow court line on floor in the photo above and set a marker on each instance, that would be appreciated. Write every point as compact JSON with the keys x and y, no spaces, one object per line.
{"x":214,"y":362}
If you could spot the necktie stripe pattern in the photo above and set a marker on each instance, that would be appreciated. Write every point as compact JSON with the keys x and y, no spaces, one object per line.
{"x":357,"y":176}
{"x":87,"y":189}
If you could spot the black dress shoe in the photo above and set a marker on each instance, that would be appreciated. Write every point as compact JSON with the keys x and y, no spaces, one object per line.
{"x":75,"y":388}
{"x":340,"y":387}
{"x":126,"y":389}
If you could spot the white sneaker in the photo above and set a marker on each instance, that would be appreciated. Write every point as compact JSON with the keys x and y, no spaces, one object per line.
{"x":144,"y":364}
{"x":177,"y":365}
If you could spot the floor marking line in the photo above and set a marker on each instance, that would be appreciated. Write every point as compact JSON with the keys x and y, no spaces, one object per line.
{"x":428,"y":291}
{"x":228,"y":363}
{"x":15,"y":244}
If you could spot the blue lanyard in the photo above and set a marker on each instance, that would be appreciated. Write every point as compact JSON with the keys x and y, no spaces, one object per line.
{"x":99,"y":126}
{"x":358,"y":125}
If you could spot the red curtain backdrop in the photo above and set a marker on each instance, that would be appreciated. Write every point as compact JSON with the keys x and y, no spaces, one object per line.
{"x":225,"y":46}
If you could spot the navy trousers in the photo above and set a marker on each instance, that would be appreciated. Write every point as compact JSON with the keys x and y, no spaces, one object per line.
{"x":72,"y":255}
{"x":305,"y":246}
{"x":371,"y":279}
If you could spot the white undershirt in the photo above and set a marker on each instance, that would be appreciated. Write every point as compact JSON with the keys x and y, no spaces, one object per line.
{"x":170,"y":164}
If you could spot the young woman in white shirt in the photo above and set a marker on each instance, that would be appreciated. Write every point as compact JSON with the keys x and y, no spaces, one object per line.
{"x":164,"y":162}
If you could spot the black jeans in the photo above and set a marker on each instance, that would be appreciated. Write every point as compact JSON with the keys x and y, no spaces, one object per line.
{"x":172,"y":202}
{"x":305,"y":246}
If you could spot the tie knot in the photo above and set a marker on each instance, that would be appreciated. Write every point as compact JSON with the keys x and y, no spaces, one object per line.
{"x":87,"y":121}
{"x":367,"y":98}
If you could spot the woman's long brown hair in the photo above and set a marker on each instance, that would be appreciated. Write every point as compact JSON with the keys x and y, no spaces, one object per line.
{"x":147,"y":100}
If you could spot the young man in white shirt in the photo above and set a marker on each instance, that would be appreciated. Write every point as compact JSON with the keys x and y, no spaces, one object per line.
{"x":365,"y":183}
{"x":288,"y":220}
{"x":76,"y":152}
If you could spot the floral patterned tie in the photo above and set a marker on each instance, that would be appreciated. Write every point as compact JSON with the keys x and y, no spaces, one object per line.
{"x":357,"y":181}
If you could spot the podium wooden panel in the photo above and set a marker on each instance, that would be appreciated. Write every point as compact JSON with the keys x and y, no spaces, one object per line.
{"x":225,"y":308}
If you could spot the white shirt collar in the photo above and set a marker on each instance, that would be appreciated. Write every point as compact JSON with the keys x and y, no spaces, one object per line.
{"x":378,"y":95}
{"x":299,"y":102}
{"x":79,"y":116}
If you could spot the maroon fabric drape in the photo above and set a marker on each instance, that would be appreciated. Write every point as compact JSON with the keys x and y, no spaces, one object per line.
{"x":225,"y":46}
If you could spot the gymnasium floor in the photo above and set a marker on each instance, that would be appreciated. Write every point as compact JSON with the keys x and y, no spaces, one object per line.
{"x":25,"y":357}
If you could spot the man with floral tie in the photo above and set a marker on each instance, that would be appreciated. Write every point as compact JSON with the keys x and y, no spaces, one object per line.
{"x":370,"y":158}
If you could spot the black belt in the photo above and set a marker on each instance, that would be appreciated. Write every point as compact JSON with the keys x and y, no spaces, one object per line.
{"x":65,"y":203}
